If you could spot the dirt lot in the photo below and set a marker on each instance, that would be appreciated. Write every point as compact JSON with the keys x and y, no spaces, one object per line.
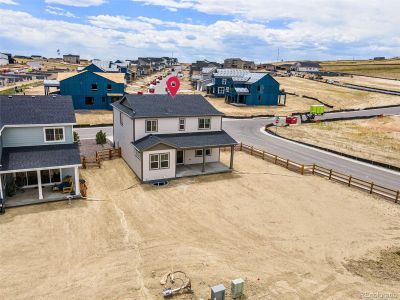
{"x":304,"y":244}
{"x":338,"y":97}
{"x":377,"y":139}
{"x":93,"y":117}
{"x":369,"y":81}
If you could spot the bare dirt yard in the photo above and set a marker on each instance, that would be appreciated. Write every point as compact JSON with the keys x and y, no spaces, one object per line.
{"x":293,"y":104}
{"x":289,"y":236}
{"x":338,"y":97}
{"x":93,"y":117}
{"x":387,"y":84}
{"x":376,"y":139}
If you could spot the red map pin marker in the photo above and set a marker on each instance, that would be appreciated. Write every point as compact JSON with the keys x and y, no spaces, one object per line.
{"x":173,"y":85}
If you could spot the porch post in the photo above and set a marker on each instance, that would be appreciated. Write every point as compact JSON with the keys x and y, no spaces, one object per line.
{"x":39,"y":178}
{"x":204,"y":161}
{"x":232,"y":152}
{"x":77,"y":186}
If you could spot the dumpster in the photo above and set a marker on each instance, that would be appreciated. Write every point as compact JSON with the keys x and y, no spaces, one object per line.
{"x":317,"y":109}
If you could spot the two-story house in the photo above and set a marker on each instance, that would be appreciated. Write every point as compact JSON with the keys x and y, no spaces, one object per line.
{"x":204,"y":79}
{"x":243,"y":87}
{"x":306,"y":66}
{"x":37,"y":149}
{"x":164,"y":138}
{"x":92,"y":90}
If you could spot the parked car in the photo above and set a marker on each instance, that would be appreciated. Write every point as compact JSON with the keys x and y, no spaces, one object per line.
{"x":160,"y":77}
{"x":151,"y":91}
{"x":140,"y":93}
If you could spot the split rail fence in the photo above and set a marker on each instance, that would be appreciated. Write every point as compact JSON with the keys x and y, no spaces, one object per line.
{"x":331,"y":174}
{"x":107,"y":154}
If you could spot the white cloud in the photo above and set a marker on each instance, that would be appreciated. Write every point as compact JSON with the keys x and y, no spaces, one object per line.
{"x":59,"y":12}
{"x":78,"y":3}
{"x":8,"y":2}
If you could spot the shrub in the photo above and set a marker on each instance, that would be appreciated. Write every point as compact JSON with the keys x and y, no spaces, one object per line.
{"x":101,"y":137}
{"x":76,"y":138}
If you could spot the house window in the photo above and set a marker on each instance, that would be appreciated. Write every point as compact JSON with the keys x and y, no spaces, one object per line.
{"x":208,"y":152}
{"x":109,"y":87}
{"x":164,"y":160}
{"x":259,"y":98}
{"x":221,"y":90}
{"x":154,"y":162}
{"x":50,"y":176}
{"x":121,"y":120}
{"x":223,"y":81}
{"x":227,"y":89}
{"x":151,"y":126}
{"x":89,"y":100}
{"x":54,"y":134}
{"x":94,"y":87}
{"x":198,"y":152}
{"x":204,"y":123}
{"x":181,"y":124}
{"x":258,"y":88}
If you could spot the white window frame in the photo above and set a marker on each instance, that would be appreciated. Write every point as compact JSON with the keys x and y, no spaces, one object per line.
{"x":198,"y":155}
{"x":163,"y":160}
{"x":158,"y":161}
{"x":151,"y":120}
{"x":224,"y":81}
{"x":184,"y":124}
{"x":204,"y":128}
{"x":54,"y":128}
{"x":43,"y":184}
{"x":221,"y":90}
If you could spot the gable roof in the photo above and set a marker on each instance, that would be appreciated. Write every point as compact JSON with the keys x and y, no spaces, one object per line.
{"x":106,"y":66}
{"x":157,"y":105}
{"x":231,"y":73}
{"x":241,"y":76}
{"x":36,"y":110}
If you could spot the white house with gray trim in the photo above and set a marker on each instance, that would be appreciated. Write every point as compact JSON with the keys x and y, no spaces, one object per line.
{"x":37,"y":148}
{"x":163,"y":137}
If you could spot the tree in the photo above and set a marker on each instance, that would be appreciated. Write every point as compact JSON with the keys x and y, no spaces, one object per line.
{"x":101,"y":137}
{"x":77,"y":140}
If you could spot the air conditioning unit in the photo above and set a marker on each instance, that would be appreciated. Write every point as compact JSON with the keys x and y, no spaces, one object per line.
{"x":237,"y":288}
{"x":218,"y":292}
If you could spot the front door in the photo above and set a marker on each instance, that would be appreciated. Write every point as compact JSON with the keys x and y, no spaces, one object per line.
{"x":180,"y":157}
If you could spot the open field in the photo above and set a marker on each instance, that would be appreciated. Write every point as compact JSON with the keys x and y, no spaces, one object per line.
{"x":382,"y":68}
{"x":293,"y":104}
{"x":376,"y":139}
{"x":323,"y":241}
{"x":369,"y":81}
{"x":93,"y":117}
{"x":338,"y":97}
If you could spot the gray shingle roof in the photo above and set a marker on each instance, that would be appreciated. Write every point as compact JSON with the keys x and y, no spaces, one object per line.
{"x":231,"y":73}
{"x":25,"y":110}
{"x":157,"y":105}
{"x":186,"y":140}
{"x":23,"y":158}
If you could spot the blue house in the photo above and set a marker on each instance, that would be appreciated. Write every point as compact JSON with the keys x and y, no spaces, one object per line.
{"x":92,"y":90}
{"x":247,"y":88}
{"x":110,"y":67}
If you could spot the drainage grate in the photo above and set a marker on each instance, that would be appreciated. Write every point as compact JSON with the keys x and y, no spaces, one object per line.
{"x":160,"y":183}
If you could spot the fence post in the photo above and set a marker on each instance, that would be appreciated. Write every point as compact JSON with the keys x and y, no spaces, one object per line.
{"x":276,"y":159}
{"x":372,"y":188}
{"x":241,"y":146}
{"x":251,"y":150}
{"x":109,"y":154}
{"x":313,"y":169}
{"x":397,"y":197}
{"x":263,"y":155}
{"x":302,"y":169}
{"x":350,"y":177}
{"x":84,"y":162}
{"x":287,"y":164}
{"x":330,"y":174}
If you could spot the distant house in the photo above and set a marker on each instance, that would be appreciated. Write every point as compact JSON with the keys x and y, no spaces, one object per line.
{"x":92,"y":90}
{"x":266,"y":67}
{"x":37,"y":149}
{"x":164,"y":138}
{"x":379,"y":58}
{"x":37,"y":57}
{"x":3,"y":59}
{"x":197,"y":67}
{"x":306,"y":66}
{"x":245,"y":87}
{"x":35,"y":65}
{"x":238,"y":63}
{"x":72,"y":59}
{"x":110,"y":67}
{"x":203,"y":79}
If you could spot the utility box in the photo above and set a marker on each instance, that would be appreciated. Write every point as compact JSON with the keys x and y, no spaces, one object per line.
{"x":317,"y":109}
{"x":218,"y":292}
{"x":237,"y":288}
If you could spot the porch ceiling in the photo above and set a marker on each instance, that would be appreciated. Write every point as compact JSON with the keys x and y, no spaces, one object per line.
{"x":25,"y":158}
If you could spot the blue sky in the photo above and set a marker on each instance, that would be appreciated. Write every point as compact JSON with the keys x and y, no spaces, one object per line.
{"x":198,"y":29}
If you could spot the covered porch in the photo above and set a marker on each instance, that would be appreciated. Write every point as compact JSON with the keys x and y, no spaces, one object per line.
{"x":197,"y":169}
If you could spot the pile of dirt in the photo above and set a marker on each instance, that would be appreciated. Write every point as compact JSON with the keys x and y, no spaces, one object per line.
{"x":384,"y":268}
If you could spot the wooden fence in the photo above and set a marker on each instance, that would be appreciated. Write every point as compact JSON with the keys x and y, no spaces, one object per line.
{"x":331,"y":174}
{"x":101,"y":155}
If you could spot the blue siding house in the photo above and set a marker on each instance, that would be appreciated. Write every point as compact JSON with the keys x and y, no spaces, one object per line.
{"x":246,"y":88}
{"x":92,"y":90}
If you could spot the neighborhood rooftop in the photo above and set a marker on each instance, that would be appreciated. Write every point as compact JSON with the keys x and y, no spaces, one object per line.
{"x":142,"y":106}
{"x":186,"y":140}
{"x":28,"y":110}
